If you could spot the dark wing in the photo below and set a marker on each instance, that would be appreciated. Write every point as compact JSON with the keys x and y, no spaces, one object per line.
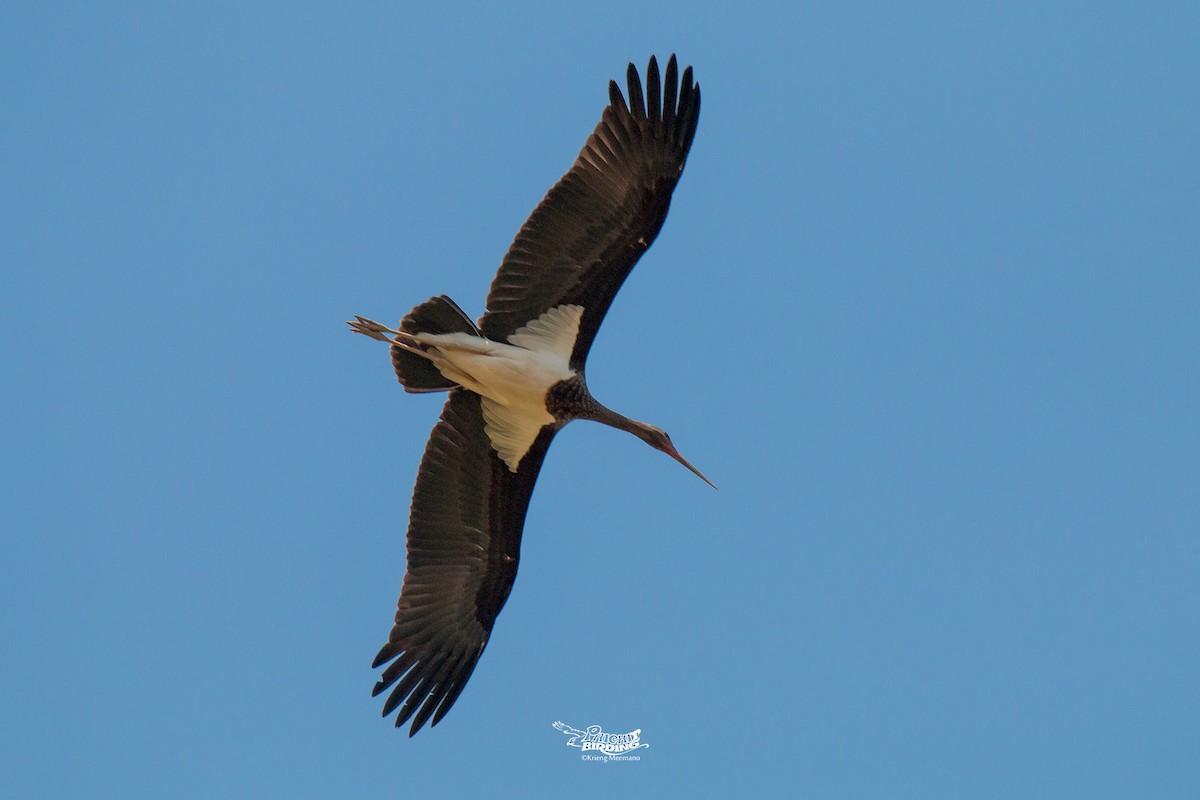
{"x":592,"y":227}
{"x":464,"y":539}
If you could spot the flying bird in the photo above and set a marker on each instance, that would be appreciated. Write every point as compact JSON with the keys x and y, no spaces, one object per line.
{"x":515,"y":379}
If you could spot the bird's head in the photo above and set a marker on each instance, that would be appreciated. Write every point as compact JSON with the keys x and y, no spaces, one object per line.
{"x":658,"y":439}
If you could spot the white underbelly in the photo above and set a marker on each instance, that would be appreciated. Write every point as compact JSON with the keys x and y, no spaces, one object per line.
{"x":513,"y":383}
{"x":511,"y":379}
{"x":511,"y":376}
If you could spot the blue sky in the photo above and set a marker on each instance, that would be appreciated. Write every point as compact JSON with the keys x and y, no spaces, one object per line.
{"x":925,"y":310}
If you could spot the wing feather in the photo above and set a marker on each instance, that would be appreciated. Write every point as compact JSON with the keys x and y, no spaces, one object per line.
{"x":464,"y":540}
{"x":591,"y":228}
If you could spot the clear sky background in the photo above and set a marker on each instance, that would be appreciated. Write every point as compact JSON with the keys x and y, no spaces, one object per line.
{"x":925,"y":309}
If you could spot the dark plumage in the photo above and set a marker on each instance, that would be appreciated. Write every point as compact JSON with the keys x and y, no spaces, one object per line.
{"x":583,"y":239}
{"x":468,"y":506}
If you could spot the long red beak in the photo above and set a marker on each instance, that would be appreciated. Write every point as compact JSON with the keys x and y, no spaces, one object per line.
{"x":673,"y":453}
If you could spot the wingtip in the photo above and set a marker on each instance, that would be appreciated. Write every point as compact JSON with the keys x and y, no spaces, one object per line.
{"x":637,"y":105}
{"x":385,"y":654}
{"x":417,"y":725}
{"x":391,"y":704}
{"x":615,"y":98}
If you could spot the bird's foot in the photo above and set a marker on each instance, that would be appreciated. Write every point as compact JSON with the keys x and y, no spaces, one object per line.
{"x":369,"y":327}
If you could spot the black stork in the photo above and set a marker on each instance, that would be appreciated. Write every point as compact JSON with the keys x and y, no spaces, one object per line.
{"x":515,"y":379}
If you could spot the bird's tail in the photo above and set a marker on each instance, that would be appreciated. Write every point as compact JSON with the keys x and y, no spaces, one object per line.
{"x":413,"y":368}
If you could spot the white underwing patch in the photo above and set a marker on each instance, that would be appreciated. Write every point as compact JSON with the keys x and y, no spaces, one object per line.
{"x":510,"y":432}
{"x":553,"y":333}
{"x":537,"y":357}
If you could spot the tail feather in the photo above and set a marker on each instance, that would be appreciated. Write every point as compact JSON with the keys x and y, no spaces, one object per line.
{"x":413,"y":369}
{"x":438,"y":315}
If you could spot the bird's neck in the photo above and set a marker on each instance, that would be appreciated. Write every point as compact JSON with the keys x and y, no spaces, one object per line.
{"x":598,"y":412}
{"x":570,"y":399}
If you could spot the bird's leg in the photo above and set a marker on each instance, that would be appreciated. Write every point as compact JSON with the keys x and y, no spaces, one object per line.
{"x":405,"y":341}
{"x":369,"y":327}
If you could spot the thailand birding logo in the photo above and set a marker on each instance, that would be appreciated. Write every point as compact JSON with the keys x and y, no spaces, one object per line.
{"x":600,"y":746}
